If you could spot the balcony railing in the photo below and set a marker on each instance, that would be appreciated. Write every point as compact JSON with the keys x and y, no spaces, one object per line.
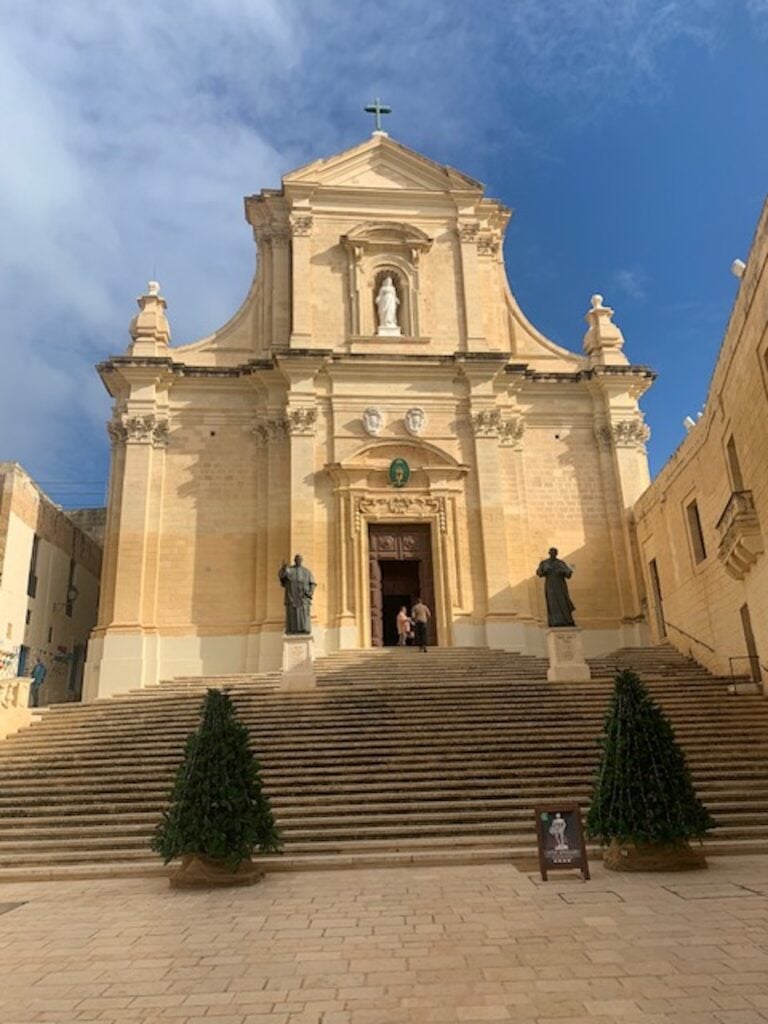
{"x":741,"y":539}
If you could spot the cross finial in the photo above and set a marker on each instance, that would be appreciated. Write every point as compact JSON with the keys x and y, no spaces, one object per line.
{"x":377,"y":108}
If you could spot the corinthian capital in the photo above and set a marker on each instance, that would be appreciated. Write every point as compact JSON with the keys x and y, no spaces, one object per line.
{"x":486,"y":423}
{"x":149,"y":429}
{"x":631,"y":433}
{"x":301,"y":224}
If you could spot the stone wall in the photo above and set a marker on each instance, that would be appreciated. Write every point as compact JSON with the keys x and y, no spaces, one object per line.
{"x":703,"y":597}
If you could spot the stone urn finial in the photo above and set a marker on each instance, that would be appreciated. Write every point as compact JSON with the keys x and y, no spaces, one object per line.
{"x":603,"y":342}
{"x":150,"y":331}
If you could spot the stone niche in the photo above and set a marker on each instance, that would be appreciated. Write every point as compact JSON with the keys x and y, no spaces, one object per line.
{"x":375,"y":251}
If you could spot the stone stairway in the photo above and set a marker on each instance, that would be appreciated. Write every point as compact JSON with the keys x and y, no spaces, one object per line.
{"x":396,"y":756}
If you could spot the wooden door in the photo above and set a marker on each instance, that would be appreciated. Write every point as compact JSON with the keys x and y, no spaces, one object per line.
{"x":402,"y":542}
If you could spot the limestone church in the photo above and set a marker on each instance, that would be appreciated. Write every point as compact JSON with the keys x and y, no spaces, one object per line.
{"x":381,"y":405}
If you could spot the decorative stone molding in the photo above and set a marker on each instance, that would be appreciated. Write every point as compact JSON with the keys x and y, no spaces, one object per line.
{"x":741,"y":538}
{"x":373,"y":421}
{"x":415,"y":421}
{"x":278,"y":234}
{"x":488,"y":245}
{"x":623,"y":434}
{"x":401,"y":505}
{"x":280,"y":238}
{"x":301,"y":225}
{"x":264,"y":430}
{"x":148,"y":429}
{"x":491,"y":423}
{"x":511,"y":432}
{"x":468,"y":232}
{"x":301,"y":421}
{"x":486,"y":423}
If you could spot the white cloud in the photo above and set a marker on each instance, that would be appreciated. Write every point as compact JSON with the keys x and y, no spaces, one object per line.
{"x":632,"y":282}
{"x":132,"y":130}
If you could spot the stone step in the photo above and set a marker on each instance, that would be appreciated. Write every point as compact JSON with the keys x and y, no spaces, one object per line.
{"x":391,"y":759}
{"x":408,"y":742}
{"x":292,"y":824}
{"x":96,"y":849}
{"x":397,"y":771}
{"x":143,"y":866}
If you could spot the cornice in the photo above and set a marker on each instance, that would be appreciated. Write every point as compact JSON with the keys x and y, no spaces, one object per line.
{"x":577,"y":376}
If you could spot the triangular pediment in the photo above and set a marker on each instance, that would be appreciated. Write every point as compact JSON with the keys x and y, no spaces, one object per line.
{"x":382,"y":163}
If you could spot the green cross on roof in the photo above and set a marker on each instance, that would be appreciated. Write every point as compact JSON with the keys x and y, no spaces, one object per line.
{"x":377,"y":108}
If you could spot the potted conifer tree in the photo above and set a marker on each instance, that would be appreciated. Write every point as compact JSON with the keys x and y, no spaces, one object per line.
{"x":218,"y":815}
{"x":644,"y":806}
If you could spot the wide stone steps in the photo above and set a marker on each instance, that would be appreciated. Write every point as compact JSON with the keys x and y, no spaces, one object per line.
{"x":393,"y":758}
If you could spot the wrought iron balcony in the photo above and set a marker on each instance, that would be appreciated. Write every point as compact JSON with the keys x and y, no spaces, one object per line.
{"x":741,"y":539}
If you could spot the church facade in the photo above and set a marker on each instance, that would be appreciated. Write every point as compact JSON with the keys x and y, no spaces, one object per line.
{"x":381,"y":405}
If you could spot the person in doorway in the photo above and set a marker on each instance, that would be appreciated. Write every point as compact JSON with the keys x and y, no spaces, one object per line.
{"x":404,"y":626}
{"x":39,"y":672}
{"x":421,"y":616}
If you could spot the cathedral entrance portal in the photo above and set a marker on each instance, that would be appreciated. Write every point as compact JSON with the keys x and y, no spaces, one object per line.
{"x":400,"y":571}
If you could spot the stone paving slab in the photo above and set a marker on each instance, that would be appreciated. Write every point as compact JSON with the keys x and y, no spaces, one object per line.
{"x":455,"y":945}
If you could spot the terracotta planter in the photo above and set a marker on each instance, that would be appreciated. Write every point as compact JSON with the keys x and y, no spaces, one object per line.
{"x":652,"y":857}
{"x":198,"y":872}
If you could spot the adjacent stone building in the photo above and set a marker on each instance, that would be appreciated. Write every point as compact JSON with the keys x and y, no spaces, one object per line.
{"x":49,"y":587}
{"x":381,"y":405}
{"x":701,"y":526}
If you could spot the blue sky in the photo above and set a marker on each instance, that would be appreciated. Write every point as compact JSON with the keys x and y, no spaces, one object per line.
{"x":628,"y":135}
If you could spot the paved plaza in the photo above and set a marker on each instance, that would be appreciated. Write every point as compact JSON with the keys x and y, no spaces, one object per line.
{"x":469,"y":943}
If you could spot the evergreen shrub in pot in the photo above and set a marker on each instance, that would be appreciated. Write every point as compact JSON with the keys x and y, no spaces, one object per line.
{"x":218,"y":816}
{"x":644,"y":807}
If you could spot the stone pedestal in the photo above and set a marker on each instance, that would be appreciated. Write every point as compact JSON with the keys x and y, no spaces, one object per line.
{"x":389,"y":332}
{"x":566,"y":656}
{"x":298,"y":662}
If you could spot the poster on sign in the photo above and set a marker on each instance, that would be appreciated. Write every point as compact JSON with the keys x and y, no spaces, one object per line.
{"x":560,"y":839}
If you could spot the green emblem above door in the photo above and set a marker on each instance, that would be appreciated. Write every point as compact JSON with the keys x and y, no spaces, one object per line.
{"x":399,"y":472}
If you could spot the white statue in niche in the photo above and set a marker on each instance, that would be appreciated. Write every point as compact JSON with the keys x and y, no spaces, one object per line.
{"x":415,"y":421}
{"x":373,"y":421}
{"x":386,"y":305}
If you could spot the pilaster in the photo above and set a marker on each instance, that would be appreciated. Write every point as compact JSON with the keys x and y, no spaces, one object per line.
{"x":486,"y":422}
{"x":301,"y":278}
{"x":468,"y":232}
{"x":300,"y":427}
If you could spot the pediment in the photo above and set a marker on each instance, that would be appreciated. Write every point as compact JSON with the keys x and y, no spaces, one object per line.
{"x":382,"y":163}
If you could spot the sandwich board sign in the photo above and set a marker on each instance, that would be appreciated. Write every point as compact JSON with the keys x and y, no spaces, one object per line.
{"x":560,"y":839}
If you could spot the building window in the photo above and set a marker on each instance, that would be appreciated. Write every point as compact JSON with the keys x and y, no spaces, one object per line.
{"x":734,"y":469}
{"x":50,"y":634}
{"x":70,"y":588}
{"x":694,"y":528}
{"x":29,"y":615}
{"x":32,"y":579}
